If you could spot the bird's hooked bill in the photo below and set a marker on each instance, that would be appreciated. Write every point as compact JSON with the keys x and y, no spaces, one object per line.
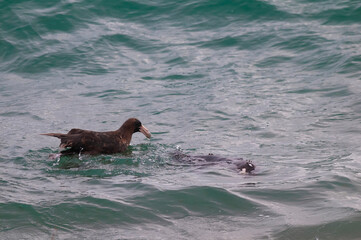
{"x":145,"y":131}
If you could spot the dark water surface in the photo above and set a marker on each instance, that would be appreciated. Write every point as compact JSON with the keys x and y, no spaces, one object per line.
{"x":274,"y":81}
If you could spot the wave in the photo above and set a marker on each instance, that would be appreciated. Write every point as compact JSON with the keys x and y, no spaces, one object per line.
{"x":100,"y":37}
{"x":350,"y":13}
{"x":348,"y":228}
{"x":152,"y":206}
{"x":196,"y":201}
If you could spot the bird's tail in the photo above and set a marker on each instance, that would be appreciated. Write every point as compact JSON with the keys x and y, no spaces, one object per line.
{"x":66,"y":139}
{"x":58,"y":135}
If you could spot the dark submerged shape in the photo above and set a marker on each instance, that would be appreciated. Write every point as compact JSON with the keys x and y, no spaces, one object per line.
{"x":238,"y":164}
{"x":91,"y":142}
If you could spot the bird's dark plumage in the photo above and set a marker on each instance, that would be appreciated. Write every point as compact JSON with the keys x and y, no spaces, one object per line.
{"x":91,"y":142}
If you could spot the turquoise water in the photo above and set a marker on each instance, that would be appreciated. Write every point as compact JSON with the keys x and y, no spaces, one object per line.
{"x":273,"y":81}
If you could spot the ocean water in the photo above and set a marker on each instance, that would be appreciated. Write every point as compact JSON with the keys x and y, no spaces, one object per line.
{"x":273,"y":81}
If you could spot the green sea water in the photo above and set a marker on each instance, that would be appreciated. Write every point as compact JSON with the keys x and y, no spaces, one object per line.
{"x":273,"y":81}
